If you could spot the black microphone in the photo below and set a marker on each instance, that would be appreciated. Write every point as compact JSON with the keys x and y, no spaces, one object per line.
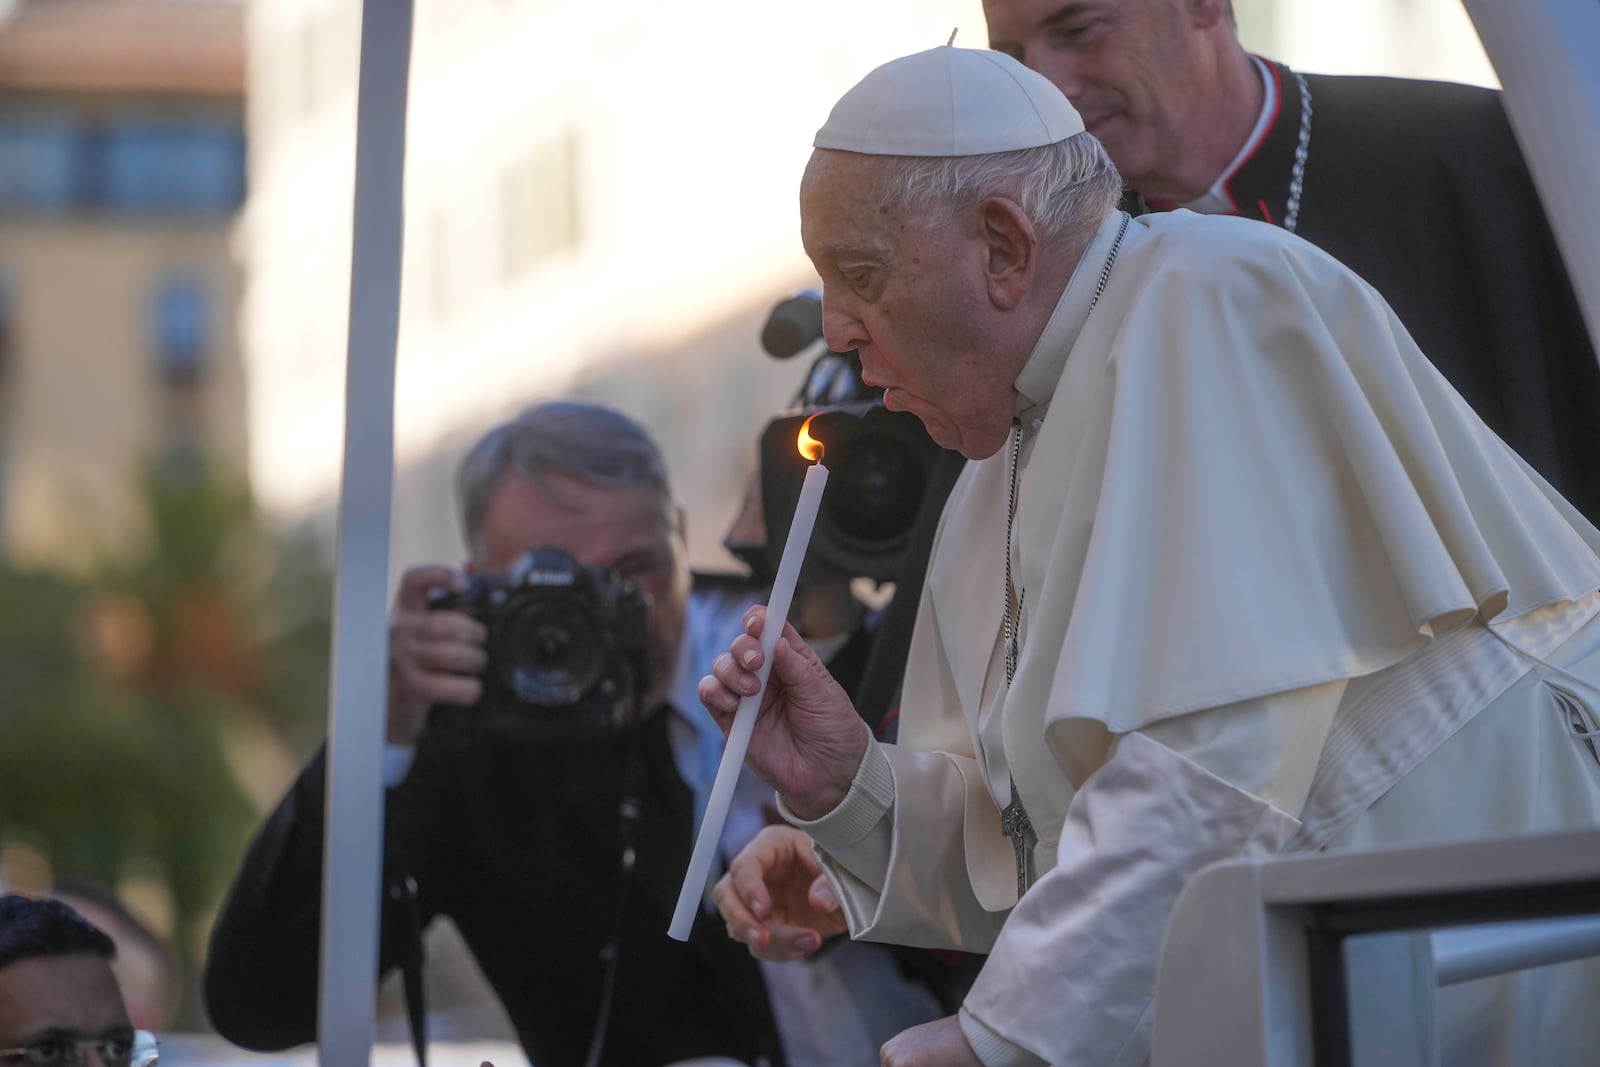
{"x":793,"y":326}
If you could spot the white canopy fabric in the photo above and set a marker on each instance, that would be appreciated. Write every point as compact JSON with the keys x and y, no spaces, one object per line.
{"x":1545,"y":54}
{"x":353,"y":858}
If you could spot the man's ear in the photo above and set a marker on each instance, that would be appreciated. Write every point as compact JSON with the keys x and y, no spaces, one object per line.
{"x":1012,"y":246}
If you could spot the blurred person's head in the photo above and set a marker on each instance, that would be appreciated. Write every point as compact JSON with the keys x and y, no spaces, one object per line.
{"x":144,"y":964}
{"x":746,"y":537}
{"x":588,"y":480}
{"x":59,"y":1000}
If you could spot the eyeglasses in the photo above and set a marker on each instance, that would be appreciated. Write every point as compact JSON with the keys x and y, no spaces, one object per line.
{"x":140,"y":1050}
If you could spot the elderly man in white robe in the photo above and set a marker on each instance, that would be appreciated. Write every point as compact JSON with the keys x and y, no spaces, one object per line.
{"x":1236,"y":573}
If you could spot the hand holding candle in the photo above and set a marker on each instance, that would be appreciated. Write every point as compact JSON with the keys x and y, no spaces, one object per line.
{"x":794,"y":553}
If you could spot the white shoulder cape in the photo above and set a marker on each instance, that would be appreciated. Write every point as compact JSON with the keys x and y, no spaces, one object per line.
{"x":1249,"y":481}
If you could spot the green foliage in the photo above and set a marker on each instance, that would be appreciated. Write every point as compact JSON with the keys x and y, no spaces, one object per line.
{"x":124,"y":691}
{"x":37,"y":656}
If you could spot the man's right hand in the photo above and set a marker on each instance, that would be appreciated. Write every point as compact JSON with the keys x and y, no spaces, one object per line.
{"x":808,"y":741}
{"x":435,"y":657}
{"x":776,"y":899}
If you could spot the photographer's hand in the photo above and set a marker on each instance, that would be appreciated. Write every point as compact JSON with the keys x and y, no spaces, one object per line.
{"x":808,"y":739}
{"x":776,"y":899}
{"x":435,"y":657}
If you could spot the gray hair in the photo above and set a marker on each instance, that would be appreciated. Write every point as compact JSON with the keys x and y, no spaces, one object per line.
{"x":1066,"y":189}
{"x":594,"y":444}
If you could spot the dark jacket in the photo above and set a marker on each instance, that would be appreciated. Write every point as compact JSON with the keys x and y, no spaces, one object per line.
{"x":517,"y":842}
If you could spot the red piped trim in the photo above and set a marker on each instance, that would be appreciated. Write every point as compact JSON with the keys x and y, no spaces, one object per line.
{"x":1272,"y":122}
{"x":888,"y":720}
{"x":1266,"y":212}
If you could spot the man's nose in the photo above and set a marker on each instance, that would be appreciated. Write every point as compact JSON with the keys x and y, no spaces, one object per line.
{"x":842,"y":329}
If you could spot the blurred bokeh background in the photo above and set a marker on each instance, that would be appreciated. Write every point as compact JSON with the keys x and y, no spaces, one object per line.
{"x":601,"y":202}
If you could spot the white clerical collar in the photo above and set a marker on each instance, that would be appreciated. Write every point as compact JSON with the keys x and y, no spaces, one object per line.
{"x":1217,"y":200}
{"x":1036,"y":384}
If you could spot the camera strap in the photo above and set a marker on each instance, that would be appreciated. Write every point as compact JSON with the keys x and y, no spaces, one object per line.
{"x":629,"y":809}
{"x":404,"y":892}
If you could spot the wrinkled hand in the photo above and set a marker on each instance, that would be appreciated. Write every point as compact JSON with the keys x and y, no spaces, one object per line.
{"x":937,"y":1044}
{"x":776,"y":899}
{"x":435,"y":657}
{"x":808,"y":739}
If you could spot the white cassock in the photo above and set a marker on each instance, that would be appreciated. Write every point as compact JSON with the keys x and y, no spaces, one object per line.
{"x":1260,"y":543}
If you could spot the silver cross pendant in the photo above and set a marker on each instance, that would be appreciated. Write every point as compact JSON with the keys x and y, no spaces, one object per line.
{"x":1016,"y":825}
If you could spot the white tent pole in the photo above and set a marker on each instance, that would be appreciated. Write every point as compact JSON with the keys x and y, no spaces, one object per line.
{"x":353,"y":857}
{"x":1544,"y":52}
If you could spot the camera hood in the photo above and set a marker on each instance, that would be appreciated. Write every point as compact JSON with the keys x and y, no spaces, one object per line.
{"x":878,"y":466}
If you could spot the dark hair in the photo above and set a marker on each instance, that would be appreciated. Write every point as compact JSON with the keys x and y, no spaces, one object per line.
{"x":31,"y":927}
{"x":588,"y":442}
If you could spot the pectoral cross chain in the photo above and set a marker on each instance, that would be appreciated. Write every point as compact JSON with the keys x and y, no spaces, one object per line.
{"x":1014,"y":821}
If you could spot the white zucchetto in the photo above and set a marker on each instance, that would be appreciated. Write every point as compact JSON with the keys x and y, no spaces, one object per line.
{"x":949,"y":102}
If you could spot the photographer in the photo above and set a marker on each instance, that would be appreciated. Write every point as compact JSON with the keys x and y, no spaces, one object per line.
{"x":509,"y":818}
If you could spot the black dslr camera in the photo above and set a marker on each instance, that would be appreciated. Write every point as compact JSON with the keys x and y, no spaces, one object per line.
{"x":878,"y":460}
{"x":568,"y":648}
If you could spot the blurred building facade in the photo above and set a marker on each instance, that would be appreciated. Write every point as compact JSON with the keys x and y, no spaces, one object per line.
{"x":121,"y":173}
{"x":599,"y":204}
{"x":1403,"y":38}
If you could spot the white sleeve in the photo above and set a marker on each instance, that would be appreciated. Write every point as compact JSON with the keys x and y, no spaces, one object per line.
{"x":893,"y":849}
{"x":993,"y":1050}
{"x":1071,"y":977}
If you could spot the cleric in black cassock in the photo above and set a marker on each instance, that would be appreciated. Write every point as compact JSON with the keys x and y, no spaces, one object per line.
{"x":1417,"y":186}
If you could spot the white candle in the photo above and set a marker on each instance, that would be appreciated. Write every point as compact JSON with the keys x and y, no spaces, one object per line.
{"x":744,"y":719}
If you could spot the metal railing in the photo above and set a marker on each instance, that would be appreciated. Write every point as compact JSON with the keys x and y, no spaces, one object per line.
{"x":1260,"y":957}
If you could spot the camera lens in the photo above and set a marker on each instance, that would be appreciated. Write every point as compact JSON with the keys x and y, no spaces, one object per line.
{"x":552,"y":651}
{"x":875,"y":500}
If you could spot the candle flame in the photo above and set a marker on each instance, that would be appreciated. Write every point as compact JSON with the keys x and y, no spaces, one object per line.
{"x":809,"y":446}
